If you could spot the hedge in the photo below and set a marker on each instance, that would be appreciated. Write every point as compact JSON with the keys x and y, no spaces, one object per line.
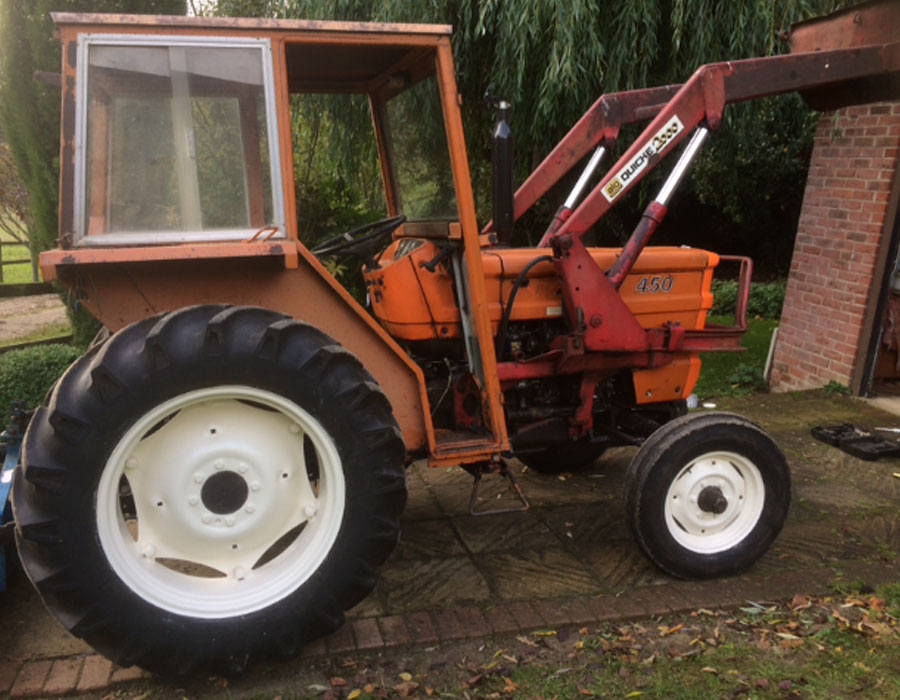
{"x":28,"y":374}
{"x":766,"y":298}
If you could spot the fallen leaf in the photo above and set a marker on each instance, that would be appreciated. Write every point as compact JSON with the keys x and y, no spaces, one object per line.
{"x":862,"y":667}
{"x":762,"y":684}
{"x":406,"y":676}
{"x":800,"y":602}
{"x":475,"y":680}
{"x":791,"y":643}
{"x":511,"y":686}
{"x":353,"y":694}
{"x":787,"y":635}
{"x":369,"y":689}
{"x":665,"y":631}
{"x":786,"y":685}
{"x":635,"y":694}
{"x":709,"y":669}
{"x":586,"y":692}
{"x":526,"y":641}
{"x":840,"y":618}
{"x":405,"y":688}
{"x":338,"y":682}
{"x":316,"y":688}
{"x":544,"y":633}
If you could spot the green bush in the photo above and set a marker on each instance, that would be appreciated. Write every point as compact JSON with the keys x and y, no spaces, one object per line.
{"x":746,"y":378}
{"x":766,"y":298}
{"x":27,"y":374}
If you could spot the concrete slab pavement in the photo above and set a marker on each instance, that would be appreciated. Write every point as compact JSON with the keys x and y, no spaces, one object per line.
{"x":568,"y":561}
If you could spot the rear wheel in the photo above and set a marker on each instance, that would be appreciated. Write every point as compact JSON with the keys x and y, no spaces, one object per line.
{"x":209,"y":485}
{"x":707,"y":494}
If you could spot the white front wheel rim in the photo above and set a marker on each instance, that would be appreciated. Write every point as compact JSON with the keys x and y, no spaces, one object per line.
{"x":223,"y":517}
{"x":714,"y":502}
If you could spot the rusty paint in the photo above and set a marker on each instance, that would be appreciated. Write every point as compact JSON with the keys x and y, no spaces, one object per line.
{"x":860,"y":25}
{"x":168,"y":22}
{"x":120,"y":291}
{"x":492,"y":396}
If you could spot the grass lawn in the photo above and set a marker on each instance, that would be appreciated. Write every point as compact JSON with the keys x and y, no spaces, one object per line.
{"x":15,"y":274}
{"x":735,"y":374}
{"x":842,"y":646}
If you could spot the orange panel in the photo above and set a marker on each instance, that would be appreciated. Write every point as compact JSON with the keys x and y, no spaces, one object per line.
{"x":128,"y":291}
{"x":666,"y":285}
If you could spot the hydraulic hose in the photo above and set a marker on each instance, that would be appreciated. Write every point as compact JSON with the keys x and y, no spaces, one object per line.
{"x":507,"y":312}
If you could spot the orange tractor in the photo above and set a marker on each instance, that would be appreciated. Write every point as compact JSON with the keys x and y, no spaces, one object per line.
{"x":222,"y":475}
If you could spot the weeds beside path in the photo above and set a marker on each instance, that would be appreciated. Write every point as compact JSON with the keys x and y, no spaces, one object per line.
{"x":841,"y":646}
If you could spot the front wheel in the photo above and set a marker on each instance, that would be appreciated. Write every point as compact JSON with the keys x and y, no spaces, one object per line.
{"x":707,"y":494}
{"x":207,"y":486}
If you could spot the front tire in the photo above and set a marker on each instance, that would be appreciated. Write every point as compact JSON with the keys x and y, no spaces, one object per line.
{"x":707,"y":494}
{"x":209,"y":485}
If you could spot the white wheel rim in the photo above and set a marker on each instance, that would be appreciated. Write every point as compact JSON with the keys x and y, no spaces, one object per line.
{"x":214,"y":488}
{"x":731,"y":476}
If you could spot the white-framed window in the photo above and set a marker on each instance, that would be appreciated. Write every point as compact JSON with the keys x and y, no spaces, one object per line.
{"x":176,"y":140}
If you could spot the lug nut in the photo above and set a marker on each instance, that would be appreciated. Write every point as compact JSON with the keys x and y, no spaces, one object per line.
{"x":254,"y":486}
{"x":149,"y":551}
{"x":193,"y":500}
{"x":207,"y":519}
{"x":198,"y":478}
{"x":239,"y":573}
{"x":250,"y":508}
{"x":310,"y":511}
{"x":242,"y":468}
{"x":229,"y":521}
{"x":218,"y":464}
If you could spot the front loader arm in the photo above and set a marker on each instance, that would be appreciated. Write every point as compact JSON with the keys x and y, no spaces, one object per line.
{"x":703,"y":99}
{"x":598,"y":126}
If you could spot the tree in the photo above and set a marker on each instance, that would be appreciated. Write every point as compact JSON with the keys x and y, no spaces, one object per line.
{"x":13,"y":196}
{"x":29,"y":110}
{"x":552,"y":59}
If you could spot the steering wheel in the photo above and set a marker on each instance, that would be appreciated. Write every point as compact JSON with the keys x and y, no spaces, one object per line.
{"x":362,"y":242}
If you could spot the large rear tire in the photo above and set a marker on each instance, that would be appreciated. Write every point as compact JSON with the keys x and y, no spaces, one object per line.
{"x":707,"y":494}
{"x":207,"y":486}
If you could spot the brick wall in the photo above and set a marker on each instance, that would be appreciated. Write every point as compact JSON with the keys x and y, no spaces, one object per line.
{"x":836,"y":253}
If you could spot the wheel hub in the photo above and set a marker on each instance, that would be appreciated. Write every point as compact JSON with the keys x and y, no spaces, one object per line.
{"x":224,"y":492}
{"x":712,"y":500}
{"x":224,"y":515}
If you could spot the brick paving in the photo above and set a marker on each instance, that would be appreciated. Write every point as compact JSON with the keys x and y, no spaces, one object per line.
{"x":568,"y":562}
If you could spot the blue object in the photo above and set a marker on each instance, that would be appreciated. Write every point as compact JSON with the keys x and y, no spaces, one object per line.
{"x":11,"y":438}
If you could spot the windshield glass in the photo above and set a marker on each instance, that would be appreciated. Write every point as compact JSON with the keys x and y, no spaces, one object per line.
{"x":419,"y":153}
{"x":176,"y":141}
